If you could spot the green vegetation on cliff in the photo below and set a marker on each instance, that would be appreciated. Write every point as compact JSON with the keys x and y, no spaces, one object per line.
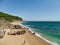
{"x":8,"y":17}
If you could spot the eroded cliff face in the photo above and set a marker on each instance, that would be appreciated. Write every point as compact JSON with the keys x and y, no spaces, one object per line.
{"x":7,"y":20}
{"x":5,"y":24}
{"x":8,"y":23}
{"x":15,"y":22}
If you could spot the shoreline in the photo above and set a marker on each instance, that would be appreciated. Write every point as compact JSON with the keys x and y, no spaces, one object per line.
{"x":29,"y":38}
{"x":38,"y":35}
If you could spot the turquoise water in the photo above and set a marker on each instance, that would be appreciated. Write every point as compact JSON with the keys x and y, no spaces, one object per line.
{"x":48,"y":29}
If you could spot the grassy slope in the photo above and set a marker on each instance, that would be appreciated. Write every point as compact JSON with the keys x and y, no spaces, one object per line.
{"x":8,"y":17}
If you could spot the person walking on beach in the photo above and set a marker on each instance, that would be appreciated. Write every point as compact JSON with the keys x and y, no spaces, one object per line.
{"x":23,"y":42}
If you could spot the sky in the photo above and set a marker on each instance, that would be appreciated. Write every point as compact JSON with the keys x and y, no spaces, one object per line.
{"x":32,"y":10}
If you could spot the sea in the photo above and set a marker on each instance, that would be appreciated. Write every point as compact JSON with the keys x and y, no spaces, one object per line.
{"x":50,"y":30}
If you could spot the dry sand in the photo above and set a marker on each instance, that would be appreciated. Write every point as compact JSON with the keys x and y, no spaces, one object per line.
{"x":26,"y":39}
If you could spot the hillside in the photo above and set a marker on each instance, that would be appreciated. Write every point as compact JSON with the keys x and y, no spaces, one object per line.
{"x":8,"y":17}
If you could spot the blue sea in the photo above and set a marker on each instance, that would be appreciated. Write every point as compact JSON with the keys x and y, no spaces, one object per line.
{"x":48,"y":29}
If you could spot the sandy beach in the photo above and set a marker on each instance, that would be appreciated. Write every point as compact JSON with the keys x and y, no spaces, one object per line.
{"x":25,"y":39}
